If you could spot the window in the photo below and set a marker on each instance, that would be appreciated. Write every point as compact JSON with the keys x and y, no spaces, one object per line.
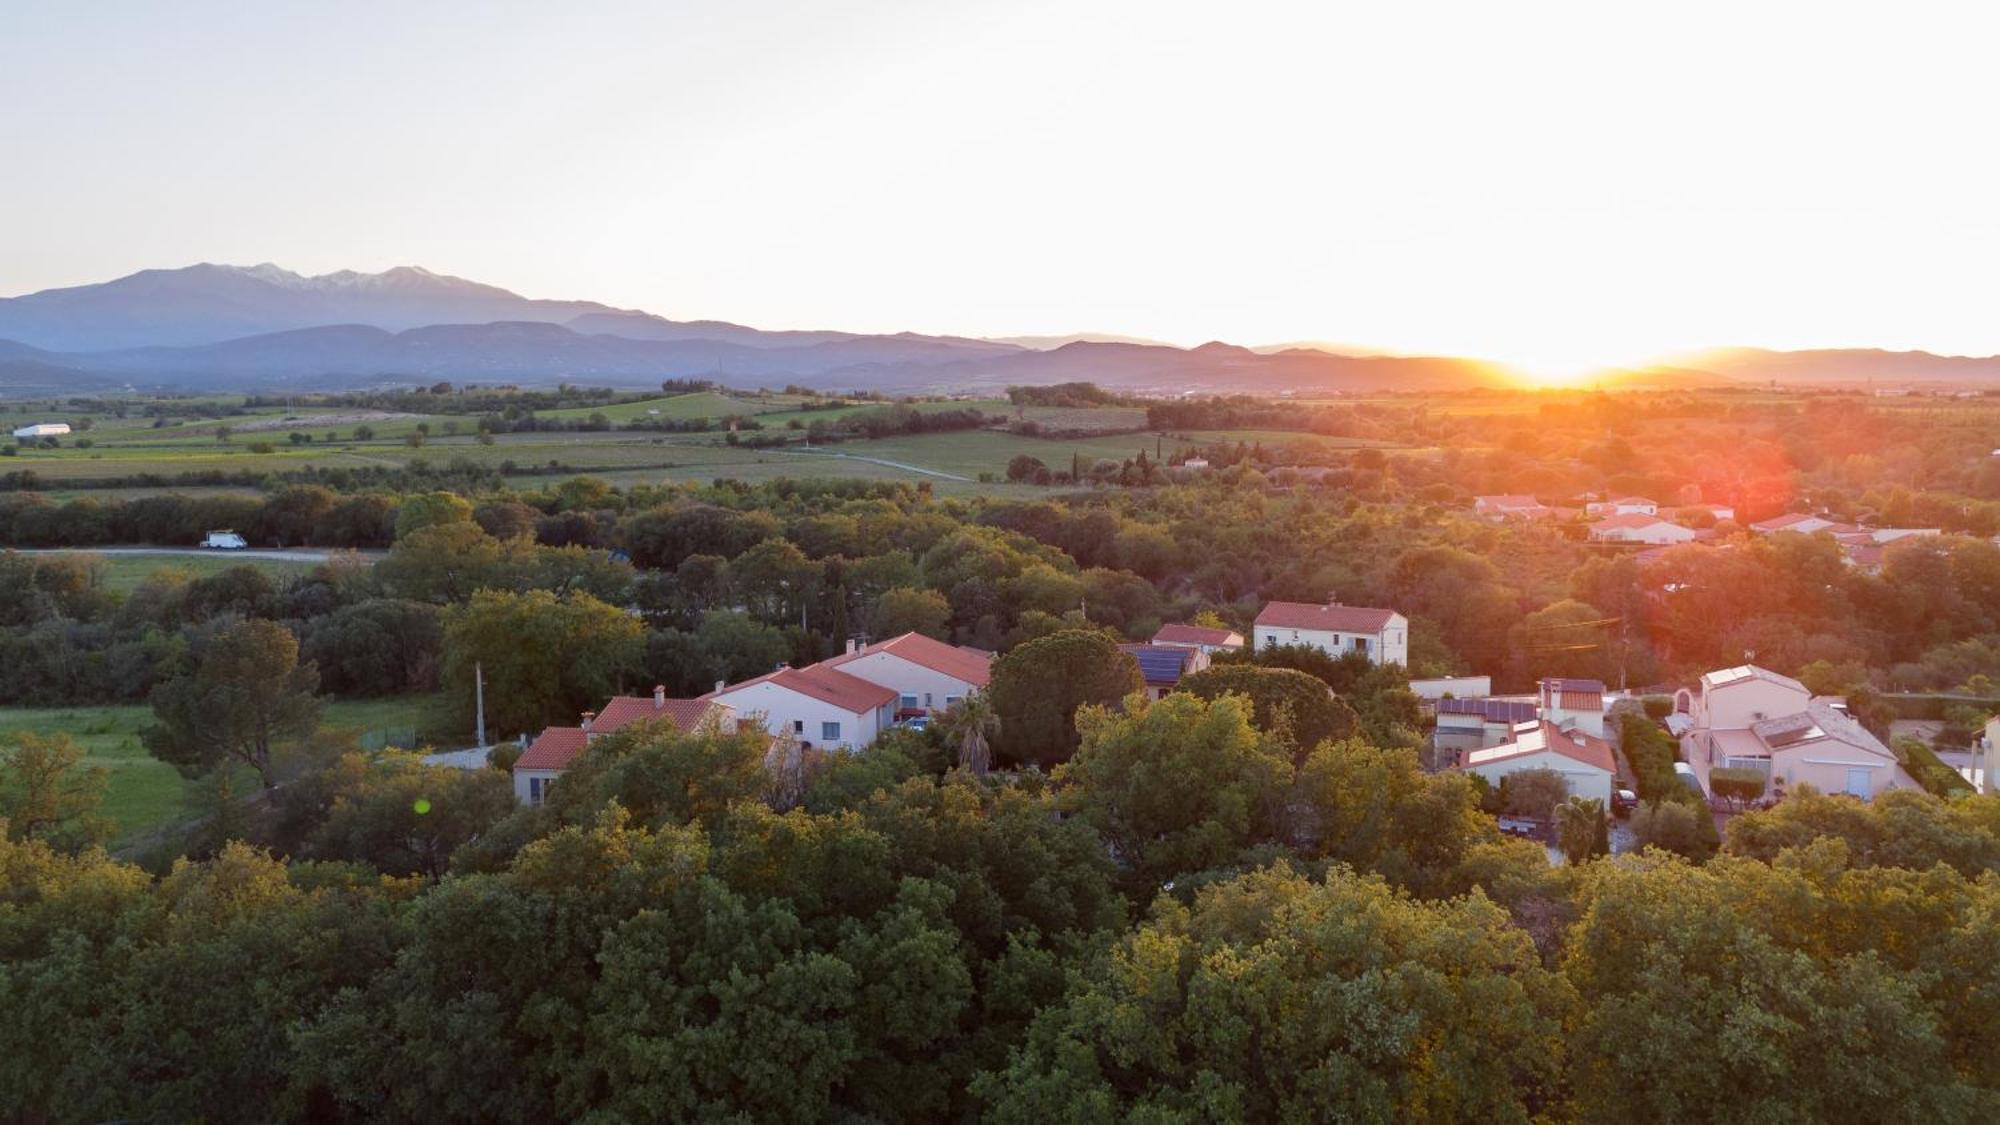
{"x":951,"y":701}
{"x":927,"y":701}
{"x":908,"y":702}
{"x":538,"y":789}
{"x":798,"y":726}
{"x":829,"y":732}
{"x":1361,"y":644}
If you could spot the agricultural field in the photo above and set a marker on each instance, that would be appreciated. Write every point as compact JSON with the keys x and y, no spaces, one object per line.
{"x":144,"y":794}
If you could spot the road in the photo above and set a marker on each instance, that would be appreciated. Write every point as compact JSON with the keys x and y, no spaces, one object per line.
{"x":285,"y":554}
{"x":940,"y":473}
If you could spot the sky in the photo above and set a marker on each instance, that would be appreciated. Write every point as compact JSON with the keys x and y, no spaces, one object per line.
{"x":1555,"y":185}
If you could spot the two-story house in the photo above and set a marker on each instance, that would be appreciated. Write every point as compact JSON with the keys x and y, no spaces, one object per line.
{"x":1382,"y":635}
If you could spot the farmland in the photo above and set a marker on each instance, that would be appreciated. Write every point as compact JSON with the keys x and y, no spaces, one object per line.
{"x":143,"y":793}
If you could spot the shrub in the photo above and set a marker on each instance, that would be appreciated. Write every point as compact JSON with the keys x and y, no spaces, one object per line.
{"x":1737,"y":784}
{"x":1657,"y":707}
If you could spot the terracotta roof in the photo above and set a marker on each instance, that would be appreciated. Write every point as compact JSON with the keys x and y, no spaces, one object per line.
{"x":553,"y":749}
{"x":828,"y":685}
{"x":959,"y":663}
{"x":1572,"y":744}
{"x":1332,"y":618}
{"x":624,"y":710}
{"x":1195,"y":635}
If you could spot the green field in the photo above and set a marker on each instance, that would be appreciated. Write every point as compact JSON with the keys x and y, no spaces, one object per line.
{"x":124,"y":573}
{"x":143,"y":793}
{"x":949,"y":462}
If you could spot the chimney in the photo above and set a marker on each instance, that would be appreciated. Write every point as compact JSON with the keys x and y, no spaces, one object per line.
{"x":588,"y":716}
{"x":1332,"y":598}
{"x":853,"y":646}
{"x":659,"y":697}
{"x":720,"y":684}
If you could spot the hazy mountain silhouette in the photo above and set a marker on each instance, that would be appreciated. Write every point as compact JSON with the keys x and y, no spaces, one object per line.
{"x":248,"y":327}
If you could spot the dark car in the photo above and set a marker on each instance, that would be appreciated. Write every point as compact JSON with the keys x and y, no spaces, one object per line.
{"x":1623,"y":801}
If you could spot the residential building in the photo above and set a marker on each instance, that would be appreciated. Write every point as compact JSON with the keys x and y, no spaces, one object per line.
{"x":1623,"y":506}
{"x":1753,"y":718}
{"x":42,"y":430}
{"x":1508,"y":507}
{"x":817,"y":705}
{"x":1163,"y":666}
{"x":1210,"y":641}
{"x":1584,"y":760}
{"x":927,"y":675}
{"x":1475,"y":724}
{"x":1800,"y":522}
{"x":1573,"y":704}
{"x":1383,"y":635}
{"x":555,"y":748}
{"x":1640,"y":529}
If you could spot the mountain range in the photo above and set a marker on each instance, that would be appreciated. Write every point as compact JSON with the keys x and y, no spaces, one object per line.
{"x":262,"y":327}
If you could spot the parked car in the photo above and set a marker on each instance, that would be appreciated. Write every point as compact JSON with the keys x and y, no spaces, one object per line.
{"x":225,"y":541}
{"x":1521,"y":826}
{"x":1623,"y":801}
{"x":917,"y":722}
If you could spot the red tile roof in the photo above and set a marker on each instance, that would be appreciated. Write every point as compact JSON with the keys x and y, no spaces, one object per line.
{"x":828,"y":685}
{"x":1572,"y":744}
{"x":959,"y":663}
{"x":624,"y":710}
{"x":1195,"y":635}
{"x":554,"y":749}
{"x":1331,"y":618}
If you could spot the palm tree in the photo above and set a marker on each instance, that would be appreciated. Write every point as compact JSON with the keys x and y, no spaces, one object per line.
{"x":1579,"y":824}
{"x":970,"y":726}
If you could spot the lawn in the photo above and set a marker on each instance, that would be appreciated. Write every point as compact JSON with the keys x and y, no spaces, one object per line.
{"x":143,"y":793}
{"x":124,"y":573}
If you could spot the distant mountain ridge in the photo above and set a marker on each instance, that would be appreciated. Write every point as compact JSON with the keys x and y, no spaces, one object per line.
{"x":214,"y":326}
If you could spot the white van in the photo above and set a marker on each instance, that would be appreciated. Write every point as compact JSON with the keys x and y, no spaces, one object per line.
{"x":225,"y":541}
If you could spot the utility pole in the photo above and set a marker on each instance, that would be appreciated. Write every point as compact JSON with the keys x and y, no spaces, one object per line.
{"x":479,"y":697}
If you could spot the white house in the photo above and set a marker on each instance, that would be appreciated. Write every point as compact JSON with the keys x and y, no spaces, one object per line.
{"x":1623,"y":506}
{"x":1210,"y":641}
{"x":555,"y":748}
{"x":1753,"y":718}
{"x":1584,"y":760}
{"x":1383,"y":635}
{"x":926,"y":675}
{"x":1574,"y":704}
{"x":817,"y":705}
{"x":1639,"y":529}
{"x":42,"y":430}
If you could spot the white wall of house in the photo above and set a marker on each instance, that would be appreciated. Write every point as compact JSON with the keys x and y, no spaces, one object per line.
{"x":530,"y":785}
{"x":1585,"y":780}
{"x":1747,"y":701}
{"x":1390,"y":646}
{"x":789,"y":712}
{"x":1458,"y":687}
{"x":915,"y":684}
{"x":1590,"y":722}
